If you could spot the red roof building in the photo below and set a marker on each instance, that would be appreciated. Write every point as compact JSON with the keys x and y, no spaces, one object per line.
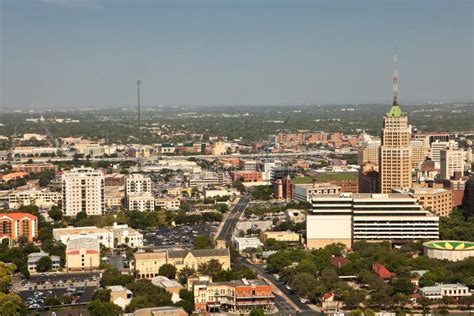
{"x":338,"y":262}
{"x":382,"y":271}
{"x":15,"y":225}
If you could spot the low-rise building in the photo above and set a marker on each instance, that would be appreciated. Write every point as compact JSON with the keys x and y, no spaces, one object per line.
{"x":103,"y":235}
{"x":34,"y":257}
{"x":171,"y":286}
{"x":34,"y":167}
{"x":303,"y":192}
{"x":247,"y":176}
{"x":295,"y":215}
{"x":146,"y":265}
{"x":239,"y":296}
{"x":242,"y":243}
{"x":285,"y":236}
{"x":120,"y":295}
{"x":161,"y":311}
{"x":40,"y":198}
{"x":439,"y":291}
{"x":82,"y":254}
{"x":124,"y":235}
{"x":171,"y":204}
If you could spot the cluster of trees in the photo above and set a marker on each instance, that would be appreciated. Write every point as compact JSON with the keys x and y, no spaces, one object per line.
{"x":262,"y":192}
{"x":10,"y":303}
{"x":457,"y":226}
{"x":310,"y":274}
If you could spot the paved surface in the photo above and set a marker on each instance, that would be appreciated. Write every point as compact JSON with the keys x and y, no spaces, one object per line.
{"x":231,"y":220}
{"x":179,"y":236}
{"x":84,"y":298}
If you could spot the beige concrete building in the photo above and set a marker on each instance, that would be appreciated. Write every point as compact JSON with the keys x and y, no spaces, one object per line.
{"x":171,"y":204}
{"x":437,"y":201}
{"x":395,"y":152}
{"x":369,"y":153}
{"x":286,"y":236}
{"x":451,"y":161}
{"x":303,"y":192}
{"x":418,"y":152}
{"x":120,"y":295}
{"x":82,"y":254}
{"x":40,"y":198}
{"x":147,"y":264}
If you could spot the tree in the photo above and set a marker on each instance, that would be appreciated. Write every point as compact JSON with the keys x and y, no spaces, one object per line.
{"x":403,"y":285}
{"x":6,"y":271}
{"x":81,"y":216}
{"x":98,"y":308}
{"x":44,"y":264}
{"x":184,"y":274}
{"x":212,"y":267}
{"x":203,"y":242}
{"x":257,"y":312}
{"x":167,"y":270}
{"x":11,"y":304}
{"x":102,"y":295}
{"x":55,"y":213}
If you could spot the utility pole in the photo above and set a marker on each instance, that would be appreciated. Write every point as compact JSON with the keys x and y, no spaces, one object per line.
{"x":139,"y":83}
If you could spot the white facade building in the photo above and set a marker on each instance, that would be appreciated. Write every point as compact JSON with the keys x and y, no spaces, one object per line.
{"x":171,"y":204}
{"x":138,"y":195}
{"x":439,"y":291}
{"x":83,"y":191}
{"x":125,"y":235}
{"x":103,"y":235}
{"x":349,"y":217}
{"x":242,"y":243}
{"x":451,"y":161}
{"x":304,"y":192}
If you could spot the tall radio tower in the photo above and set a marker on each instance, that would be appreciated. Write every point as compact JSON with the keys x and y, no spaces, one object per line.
{"x":395,"y":79}
{"x":139,"y":83}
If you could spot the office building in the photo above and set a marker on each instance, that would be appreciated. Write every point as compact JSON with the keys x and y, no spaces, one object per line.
{"x":451,"y":161}
{"x":40,"y":198}
{"x":15,"y":225}
{"x":303,"y":192}
{"x":369,"y":153}
{"x":395,"y":151}
{"x":83,"y":191}
{"x":242,"y":243}
{"x":349,"y":217}
{"x":124,"y":235}
{"x":418,"y":153}
{"x":437,"y":146}
{"x":369,"y":178}
{"x":437,"y":201}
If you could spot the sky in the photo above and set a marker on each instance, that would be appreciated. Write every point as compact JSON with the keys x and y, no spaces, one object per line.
{"x":75,"y":53}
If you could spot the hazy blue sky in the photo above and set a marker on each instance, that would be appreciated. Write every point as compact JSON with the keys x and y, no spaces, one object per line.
{"x":90,"y":52}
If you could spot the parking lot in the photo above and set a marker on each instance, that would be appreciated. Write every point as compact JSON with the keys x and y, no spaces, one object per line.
{"x":36,"y":299}
{"x":35,"y":290}
{"x":180,"y":236}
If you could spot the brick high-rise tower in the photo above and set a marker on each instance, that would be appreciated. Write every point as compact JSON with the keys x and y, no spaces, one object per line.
{"x":395,"y":156}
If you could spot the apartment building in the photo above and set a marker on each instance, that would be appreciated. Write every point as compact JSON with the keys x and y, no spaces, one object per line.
{"x":140,"y":202}
{"x":83,"y":191}
{"x":138,"y":196}
{"x":15,"y":225}
{"x":137,"y":184}
{"x":147,"y":264}
{"x":349,"y":217}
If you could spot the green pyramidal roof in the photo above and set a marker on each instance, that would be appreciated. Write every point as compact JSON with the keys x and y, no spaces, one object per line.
{"x":395,"y":111}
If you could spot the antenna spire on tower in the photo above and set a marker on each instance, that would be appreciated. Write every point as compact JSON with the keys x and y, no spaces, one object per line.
{"x":395,"y":79}
{"x":139,"y":82}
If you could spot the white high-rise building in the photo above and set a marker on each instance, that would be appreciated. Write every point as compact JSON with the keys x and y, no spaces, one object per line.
{"x":451,"y":161}
{"x":348,"y":217}
{"x":137,"y":184}
{"x":437,"y":146}
{"x":83,"y":191}
{"x":138,"y":196}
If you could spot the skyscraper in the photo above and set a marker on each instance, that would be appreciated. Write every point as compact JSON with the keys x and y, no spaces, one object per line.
{"x":395,"y":157}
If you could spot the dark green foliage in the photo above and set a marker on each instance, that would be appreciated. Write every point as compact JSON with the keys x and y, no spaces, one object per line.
{"x":167,"y":270}
{"x":44,"y":264}
{"x":203,"y":242}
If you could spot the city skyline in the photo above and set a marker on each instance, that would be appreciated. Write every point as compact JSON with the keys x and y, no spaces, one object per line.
{"x":67,"y":53}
